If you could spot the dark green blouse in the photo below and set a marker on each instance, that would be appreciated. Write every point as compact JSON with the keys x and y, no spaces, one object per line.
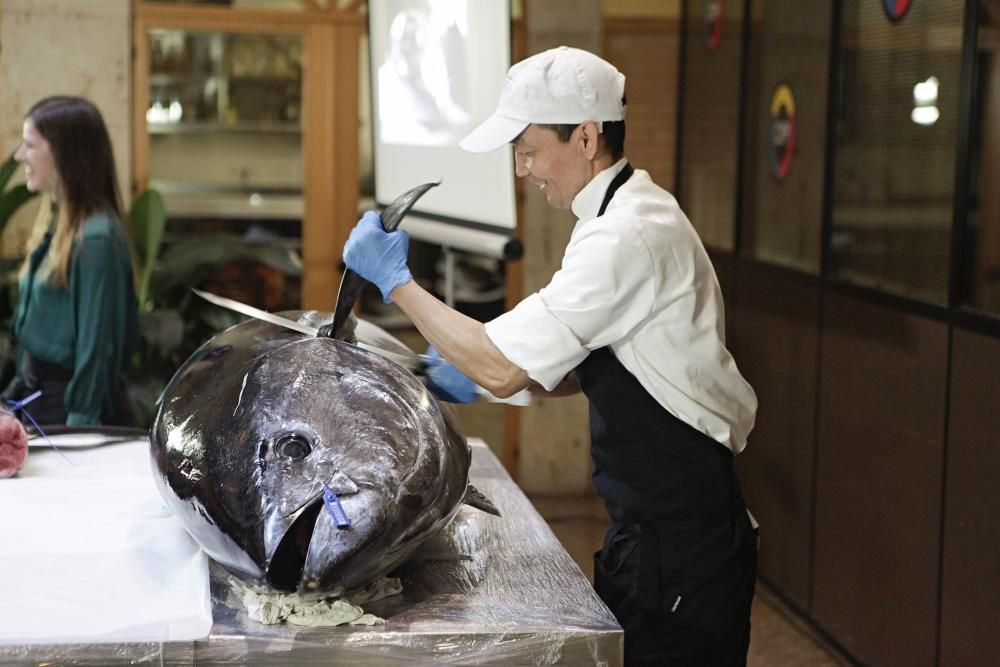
{"x":91,"y":326}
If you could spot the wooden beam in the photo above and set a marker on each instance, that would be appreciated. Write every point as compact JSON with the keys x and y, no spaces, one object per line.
{"x":140,"y":102}
{"x":345,"y":180}
{"x":234,"y":19}
{"x":510,"y":452}
{"x":331,"y":157}
{"x":319,"y":240}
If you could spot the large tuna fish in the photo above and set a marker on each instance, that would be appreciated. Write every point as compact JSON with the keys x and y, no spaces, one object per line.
{"x":306,"y":462}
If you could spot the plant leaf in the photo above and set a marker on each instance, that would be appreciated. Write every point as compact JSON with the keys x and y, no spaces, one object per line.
{"x":147,"y":220}
{"x":219,"y":319}
{"x":162,"y":331}
{"x":11,"y":200}
{"x":285,"y":260}
{"x":189,"y":261}
{"x":7,"y":170}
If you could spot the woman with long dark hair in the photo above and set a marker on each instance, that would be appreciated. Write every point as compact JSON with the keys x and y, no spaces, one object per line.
{"x":76,"y":318}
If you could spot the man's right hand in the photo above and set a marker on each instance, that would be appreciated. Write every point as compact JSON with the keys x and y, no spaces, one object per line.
{"x":378,"y":256}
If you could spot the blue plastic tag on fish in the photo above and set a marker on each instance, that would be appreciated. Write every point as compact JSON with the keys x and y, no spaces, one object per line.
{"x":334,"y":507}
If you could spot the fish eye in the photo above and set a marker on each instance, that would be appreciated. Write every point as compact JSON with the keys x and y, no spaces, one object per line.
{"x":292,"y":446}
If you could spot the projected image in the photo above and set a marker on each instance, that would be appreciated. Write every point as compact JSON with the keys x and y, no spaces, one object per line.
{"x":422,"y":80}
{"x":437,"y":69}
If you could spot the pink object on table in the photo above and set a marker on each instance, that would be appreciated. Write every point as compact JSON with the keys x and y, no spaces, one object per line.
{"x":13,"y":445}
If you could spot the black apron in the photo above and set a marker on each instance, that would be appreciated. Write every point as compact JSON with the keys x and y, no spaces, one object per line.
{"x":678,"y":563}
{"x":35,"y":375}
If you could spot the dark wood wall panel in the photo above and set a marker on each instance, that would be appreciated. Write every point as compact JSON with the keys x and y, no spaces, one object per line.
{"x":723,"y":262}
{"x":970,"y":584}
{"x":647,"y":49}
{"x":774,"y":317}
{"x":878,"y":496}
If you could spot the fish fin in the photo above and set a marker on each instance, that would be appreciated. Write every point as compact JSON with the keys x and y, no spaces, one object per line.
{"x":475,"y":498}
{"x":341,"y":484}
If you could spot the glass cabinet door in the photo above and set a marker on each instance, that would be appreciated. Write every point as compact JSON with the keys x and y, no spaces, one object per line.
{"x":224,"y":122}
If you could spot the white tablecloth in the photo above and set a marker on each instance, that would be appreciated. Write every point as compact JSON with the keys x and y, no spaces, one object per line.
{"x":89,"y":552}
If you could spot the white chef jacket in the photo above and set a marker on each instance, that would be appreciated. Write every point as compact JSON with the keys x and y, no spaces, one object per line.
{"x":636,"y":279}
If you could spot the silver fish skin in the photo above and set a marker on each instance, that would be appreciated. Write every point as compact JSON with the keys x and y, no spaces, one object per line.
{"x":260,"y":420}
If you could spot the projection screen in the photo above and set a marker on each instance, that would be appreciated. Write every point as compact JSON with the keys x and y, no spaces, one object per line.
{"x":437,"y":67}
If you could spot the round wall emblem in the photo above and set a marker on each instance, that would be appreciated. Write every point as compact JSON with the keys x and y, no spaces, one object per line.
{"x":781,"y":131}
{"x":714,"y":11}
{"x":896,"y":9}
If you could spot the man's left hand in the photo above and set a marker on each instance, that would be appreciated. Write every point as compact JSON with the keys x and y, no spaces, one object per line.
{"x":378,"y":256}
{"x":447,"y":382}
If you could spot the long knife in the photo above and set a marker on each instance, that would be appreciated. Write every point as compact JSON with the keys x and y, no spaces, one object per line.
{"x":417,"y":363}
{"x":413,"y":362}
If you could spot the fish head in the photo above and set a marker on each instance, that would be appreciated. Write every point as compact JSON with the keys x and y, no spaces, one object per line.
{"x":291,"y":439}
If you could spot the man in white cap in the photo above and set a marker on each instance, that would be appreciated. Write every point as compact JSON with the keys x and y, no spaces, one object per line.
{"x":634,"y":318}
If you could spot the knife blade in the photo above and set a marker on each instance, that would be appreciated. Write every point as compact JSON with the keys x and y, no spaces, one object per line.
{"x":256,"y":313}
{"x":412,"y":362}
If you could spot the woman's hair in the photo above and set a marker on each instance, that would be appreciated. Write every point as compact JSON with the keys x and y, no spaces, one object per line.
{"x":85,"y":162}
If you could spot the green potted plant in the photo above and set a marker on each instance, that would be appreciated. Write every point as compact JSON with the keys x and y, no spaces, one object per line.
{"x":173,"y":322}
{"x":12,"y":197}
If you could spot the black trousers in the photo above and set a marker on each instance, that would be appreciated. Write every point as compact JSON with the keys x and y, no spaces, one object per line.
{"x":706,"y":625}
{"x":34,"y":375}
{"x":49,"y":408}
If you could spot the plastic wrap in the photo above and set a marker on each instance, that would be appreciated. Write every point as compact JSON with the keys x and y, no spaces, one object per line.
{"x":485,"y":591}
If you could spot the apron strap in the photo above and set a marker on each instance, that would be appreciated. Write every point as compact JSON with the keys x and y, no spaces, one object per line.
{"x":619,"y":180}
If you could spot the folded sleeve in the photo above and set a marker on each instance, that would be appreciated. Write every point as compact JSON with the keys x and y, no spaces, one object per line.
{"x":604,"y":289}
{"x":535,"y":340}
{"x":101,"y":291}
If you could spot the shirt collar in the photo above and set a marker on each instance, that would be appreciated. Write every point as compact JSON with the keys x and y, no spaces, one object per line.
{"x":587,"y":202}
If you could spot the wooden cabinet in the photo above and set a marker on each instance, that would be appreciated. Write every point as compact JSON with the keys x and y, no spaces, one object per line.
{"x":249,"y":114}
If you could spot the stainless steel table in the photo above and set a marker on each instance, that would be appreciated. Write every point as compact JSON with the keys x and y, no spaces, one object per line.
{"x":487,"y":591}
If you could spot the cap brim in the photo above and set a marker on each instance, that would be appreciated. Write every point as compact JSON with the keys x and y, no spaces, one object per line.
{"x":494,"y":132}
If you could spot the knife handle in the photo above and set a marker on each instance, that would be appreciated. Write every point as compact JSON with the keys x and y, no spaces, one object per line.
{"x":351,"y":283}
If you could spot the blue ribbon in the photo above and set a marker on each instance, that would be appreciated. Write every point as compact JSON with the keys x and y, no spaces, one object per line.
{"x":19,"y":405}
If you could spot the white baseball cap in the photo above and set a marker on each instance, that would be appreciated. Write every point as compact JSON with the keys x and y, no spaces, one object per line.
{"x":559,"y":86}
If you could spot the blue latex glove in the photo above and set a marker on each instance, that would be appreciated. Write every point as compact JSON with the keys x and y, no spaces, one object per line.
{"x":447,"y":382}
{"x":378,"y":256}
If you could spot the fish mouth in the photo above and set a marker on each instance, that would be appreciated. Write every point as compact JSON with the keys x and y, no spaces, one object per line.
{"x":316,"y":556}
{"x":285,"y":567}
{"x":298,"y":555}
